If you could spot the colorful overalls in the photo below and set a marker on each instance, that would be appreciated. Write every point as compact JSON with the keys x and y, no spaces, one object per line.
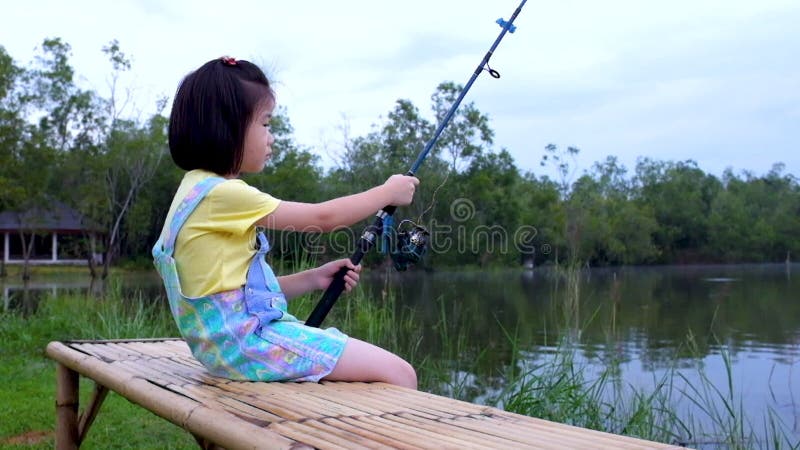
{"x":244,"y":334}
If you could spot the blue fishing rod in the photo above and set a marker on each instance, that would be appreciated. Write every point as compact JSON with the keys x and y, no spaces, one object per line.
{"x":411,"y":244}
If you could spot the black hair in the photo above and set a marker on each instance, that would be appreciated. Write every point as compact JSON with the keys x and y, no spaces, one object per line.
{"x":211,"y":112}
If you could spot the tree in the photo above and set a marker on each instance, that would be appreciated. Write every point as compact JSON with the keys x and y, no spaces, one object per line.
{"x":11,"y":131}
{"x":755,"y":218}
{"x":369,"y":160}
{"x":11,"y":122}
{"x":468,"y":134}
{"x":680,"y":195}
{"x":541,"y":218}
{"x":564,"y":162}
{"x":123,"y":157}
{"x":65,"y":118}
{"x":488,"y":183}
{"x":394,"y":145}
{"x":68,"y":114}
{"x":134,"y":153}
{"x":630,"y":227}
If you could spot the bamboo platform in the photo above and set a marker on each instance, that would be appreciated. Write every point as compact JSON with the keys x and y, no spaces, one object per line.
{"x":162,"y":376}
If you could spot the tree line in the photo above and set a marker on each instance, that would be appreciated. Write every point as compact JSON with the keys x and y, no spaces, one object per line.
{"x":62,"y":143}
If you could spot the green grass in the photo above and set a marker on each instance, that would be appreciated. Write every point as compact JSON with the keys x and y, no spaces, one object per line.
{"x":28,"y":391}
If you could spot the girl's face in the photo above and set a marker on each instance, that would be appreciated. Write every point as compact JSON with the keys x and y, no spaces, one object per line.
{"x":258,"y":141}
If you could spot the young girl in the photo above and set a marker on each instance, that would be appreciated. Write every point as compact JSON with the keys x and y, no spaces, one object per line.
{"x":228,"y":304}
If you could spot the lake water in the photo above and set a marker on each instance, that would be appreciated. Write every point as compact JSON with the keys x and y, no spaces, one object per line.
{"x":645,"y":322}
{"x":639,"y":320}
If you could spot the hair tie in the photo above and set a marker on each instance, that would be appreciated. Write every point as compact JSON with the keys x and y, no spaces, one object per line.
{"x":228,"y":60}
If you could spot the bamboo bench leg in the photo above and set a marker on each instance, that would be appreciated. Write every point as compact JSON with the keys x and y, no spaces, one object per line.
{"x":66,"y":408}
{"x":87,"y":417}
{"x":205,"y":444}
{"x":71,"y":428}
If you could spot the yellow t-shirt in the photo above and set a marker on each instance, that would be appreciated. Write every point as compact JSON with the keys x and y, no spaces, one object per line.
{"x":216,"y":244}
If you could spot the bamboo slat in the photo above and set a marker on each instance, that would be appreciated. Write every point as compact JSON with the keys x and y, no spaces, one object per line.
{"x":239,"y":404}
{"x":180,"y":347}
{"x":407,"y":439}
{"x":152,"y":349}
{"x":411,"y":404}
{"x":375,"y":401}
{"x":379,"y":439}
{"x":561,"y":430}
{"x":163,"y":377}
{"x":299,"y":393}
{"x":388,"y":421}
{"x":358,"y":438}
{"x":358,"y":404}
{"x":122,"y":351}
{"x":99,"y":351}
{"x":106,"y":341}
{"x":320,"y":438}
{"x":281,"y":405}
{"x":494,"y":440}
{"x":542,"y":438}
{"x":372,"y":395}
{"x":421,"y":399}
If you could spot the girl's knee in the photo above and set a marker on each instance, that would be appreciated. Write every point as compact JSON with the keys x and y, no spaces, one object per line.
{"x":400,"y":373}
{"x":406,"y":376}
{"x":362,"y":361}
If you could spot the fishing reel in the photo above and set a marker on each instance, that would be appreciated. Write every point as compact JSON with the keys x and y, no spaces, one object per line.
{"x":408,"y":244}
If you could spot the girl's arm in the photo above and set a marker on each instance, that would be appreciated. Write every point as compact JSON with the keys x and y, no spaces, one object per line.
{"x":299,"y":283}
{"x":326,"y":216}
{"x":296,"y":284}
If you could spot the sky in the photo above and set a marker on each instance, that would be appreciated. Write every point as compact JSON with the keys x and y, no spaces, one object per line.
{"x":717,"y":82}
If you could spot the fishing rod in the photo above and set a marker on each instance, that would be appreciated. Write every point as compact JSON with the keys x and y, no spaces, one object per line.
{"x":412,"y":244}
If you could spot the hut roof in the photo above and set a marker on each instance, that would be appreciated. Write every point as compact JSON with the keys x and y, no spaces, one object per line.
{"x":56,"y":216}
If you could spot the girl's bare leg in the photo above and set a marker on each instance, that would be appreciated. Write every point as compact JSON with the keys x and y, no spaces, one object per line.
{"x":362,"y":361}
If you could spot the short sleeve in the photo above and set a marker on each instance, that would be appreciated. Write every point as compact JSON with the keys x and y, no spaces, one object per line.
{"x":234,"y":206}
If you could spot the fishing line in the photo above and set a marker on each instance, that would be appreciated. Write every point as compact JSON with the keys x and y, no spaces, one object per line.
{"x":433,"y":196}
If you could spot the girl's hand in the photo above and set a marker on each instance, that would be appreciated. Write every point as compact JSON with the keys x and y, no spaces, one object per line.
{"x":401,"y":189}
{"x":323,"y":275}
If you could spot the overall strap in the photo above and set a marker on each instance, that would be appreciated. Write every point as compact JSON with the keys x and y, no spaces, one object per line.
{"x":257,"y":274}
{"x":262,"y":293}
{"x":166,"y":242}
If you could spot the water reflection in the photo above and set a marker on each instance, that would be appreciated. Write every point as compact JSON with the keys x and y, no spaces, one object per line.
{"x":652,"y":308}
{"x":25,"y":296}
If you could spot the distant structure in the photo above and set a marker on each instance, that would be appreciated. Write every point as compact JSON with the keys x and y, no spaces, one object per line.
{"x":528,"y":260}
{"x":61,"y":234}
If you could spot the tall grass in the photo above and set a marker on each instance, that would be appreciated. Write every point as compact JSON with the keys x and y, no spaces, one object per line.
{"x":78,"y":316}
{"x":377,"y":320}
